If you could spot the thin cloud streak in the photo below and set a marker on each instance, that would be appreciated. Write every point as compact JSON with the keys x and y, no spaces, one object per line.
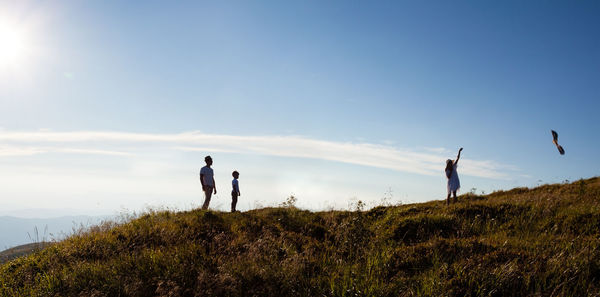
{"x":426,"y":162}
{"x":15,"y":151}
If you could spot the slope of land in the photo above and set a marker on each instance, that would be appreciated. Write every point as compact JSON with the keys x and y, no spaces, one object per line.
{"x":21,"y":250}
{"x":18,"y":231}
{"x":523,"y":242}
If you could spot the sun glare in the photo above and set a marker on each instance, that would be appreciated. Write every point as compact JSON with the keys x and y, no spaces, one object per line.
{"x":13,"y":47}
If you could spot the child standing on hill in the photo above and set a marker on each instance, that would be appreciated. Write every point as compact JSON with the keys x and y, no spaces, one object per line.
{"x":452,"y":175}
{"x":235,"y":191}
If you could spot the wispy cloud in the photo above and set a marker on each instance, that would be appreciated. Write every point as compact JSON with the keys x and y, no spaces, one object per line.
{"x":19,"y":151}
{"x":424,"y":161}
{"x":435,"y":149}
{"x":14,"y":151}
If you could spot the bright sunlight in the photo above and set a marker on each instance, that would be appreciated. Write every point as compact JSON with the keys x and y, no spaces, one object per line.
{"x":14,"y":49}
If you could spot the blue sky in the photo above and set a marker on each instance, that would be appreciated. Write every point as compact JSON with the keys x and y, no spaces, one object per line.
{"x":110,"y":104}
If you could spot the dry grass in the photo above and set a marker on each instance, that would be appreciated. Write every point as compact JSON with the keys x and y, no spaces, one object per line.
{"x":523,"y":242}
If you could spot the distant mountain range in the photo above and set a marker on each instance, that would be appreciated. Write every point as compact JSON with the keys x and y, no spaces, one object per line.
{"x":16,"y":231}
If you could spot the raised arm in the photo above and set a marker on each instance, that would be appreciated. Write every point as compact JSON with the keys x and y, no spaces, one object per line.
{"x":458,"y":157}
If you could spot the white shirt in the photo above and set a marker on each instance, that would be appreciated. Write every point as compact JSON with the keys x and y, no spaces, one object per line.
{"x":208,"y":176}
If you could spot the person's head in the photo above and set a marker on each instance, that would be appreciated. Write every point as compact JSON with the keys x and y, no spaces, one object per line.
{"x":448,"y":164}
{"x":235,"y":174}
{"x":208,"y":160}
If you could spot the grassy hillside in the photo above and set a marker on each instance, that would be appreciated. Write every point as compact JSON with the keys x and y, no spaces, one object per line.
{"x":537,"y":242}
{"x":21,"y":250}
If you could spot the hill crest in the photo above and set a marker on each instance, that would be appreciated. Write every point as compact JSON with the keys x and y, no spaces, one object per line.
{"x":542,"y":241}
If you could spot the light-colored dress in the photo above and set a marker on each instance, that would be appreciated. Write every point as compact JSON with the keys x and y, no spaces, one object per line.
{"x":453,"y":181}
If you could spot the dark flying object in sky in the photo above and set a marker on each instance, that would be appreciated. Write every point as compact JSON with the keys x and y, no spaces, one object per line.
{"x":555,"y":140}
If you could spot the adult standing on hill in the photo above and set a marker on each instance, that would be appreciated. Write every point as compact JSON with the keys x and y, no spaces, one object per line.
{"x":207,"y":180}
{"x":452,"y":175}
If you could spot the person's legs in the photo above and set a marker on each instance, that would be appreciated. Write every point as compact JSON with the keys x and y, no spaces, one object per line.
{"x":233,"y":201}
{"x":455,"y":199}
{"x":207,"y":194}
{"x":448,"y":199}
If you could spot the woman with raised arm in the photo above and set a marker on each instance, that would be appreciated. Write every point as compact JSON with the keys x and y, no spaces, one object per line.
{"x":452,"y":175}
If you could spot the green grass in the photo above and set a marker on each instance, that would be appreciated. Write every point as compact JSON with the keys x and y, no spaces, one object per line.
{"x":523,"y":242}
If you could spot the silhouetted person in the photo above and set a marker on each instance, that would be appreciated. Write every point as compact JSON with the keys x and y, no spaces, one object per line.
{"x":452,"y":175}
{"x":235,"y":191}
{"x":207,"y":180}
